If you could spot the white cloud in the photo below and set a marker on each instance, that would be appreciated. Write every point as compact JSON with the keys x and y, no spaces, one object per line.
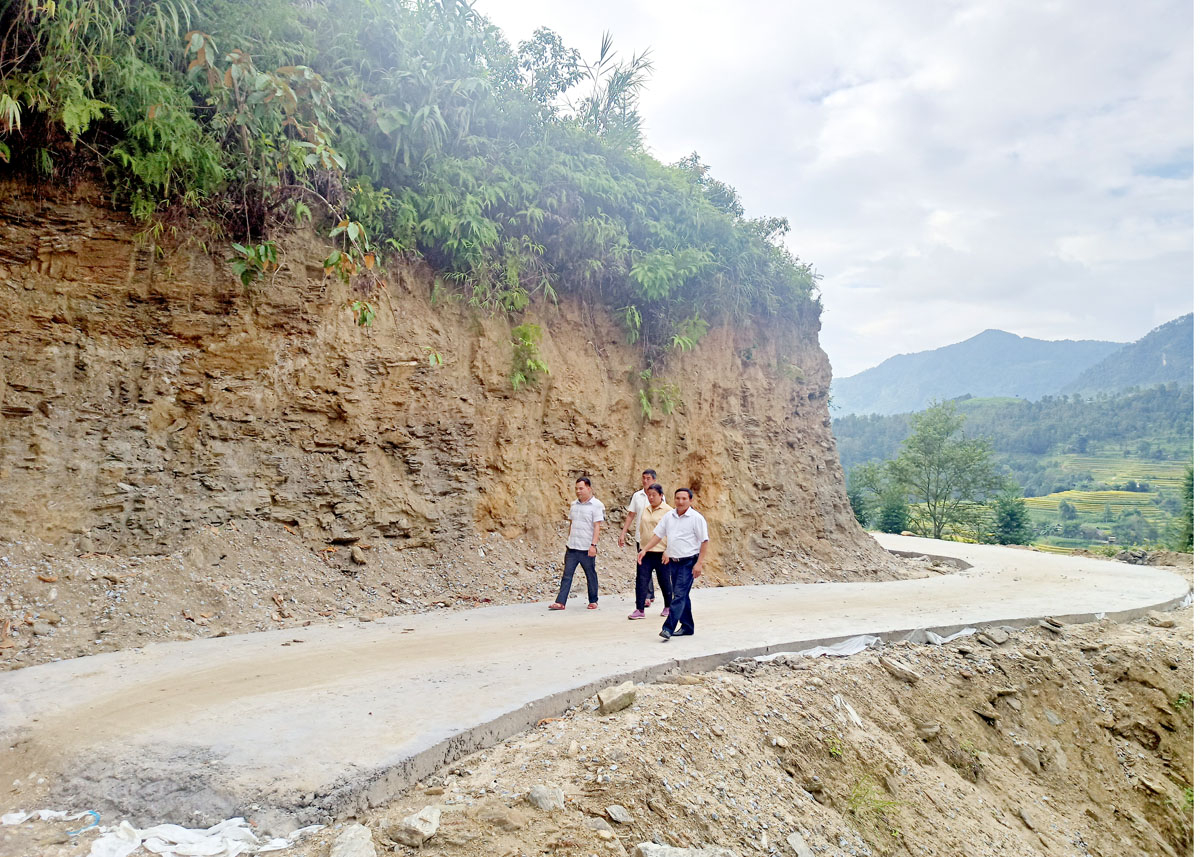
{"x":946,"y":166}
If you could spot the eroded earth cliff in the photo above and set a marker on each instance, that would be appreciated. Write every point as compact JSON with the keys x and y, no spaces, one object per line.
{"x":148,"y":400}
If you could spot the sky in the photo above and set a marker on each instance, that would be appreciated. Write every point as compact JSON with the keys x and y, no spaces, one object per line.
{"x":947,"y":167}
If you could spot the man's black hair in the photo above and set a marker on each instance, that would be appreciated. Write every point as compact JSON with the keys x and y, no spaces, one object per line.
{"x":656,"y":487}
{"x":650,"y":473}
{"x":688,"y":490}
{"x":584,"y":480}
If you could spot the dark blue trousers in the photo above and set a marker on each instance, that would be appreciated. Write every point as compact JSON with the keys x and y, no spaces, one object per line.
{"x":680,"y":616}
{"x":573,"y":559}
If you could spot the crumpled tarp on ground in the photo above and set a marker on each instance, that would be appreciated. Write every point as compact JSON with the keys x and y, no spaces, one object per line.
{"x":230,"y":838}
{"x":854,"y":645}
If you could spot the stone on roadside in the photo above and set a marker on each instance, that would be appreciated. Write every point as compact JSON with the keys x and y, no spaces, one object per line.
{"x":899,"y":670}
{"x":617,"y":697}
{"x":780,"y":742}
{"x":619,"y":814}
{"x":357,"y":556}
{"x":685,"y":678}
{"x":42,"y":629}
{"x":415,"y":829}
{"x":597,"y":823}
{"x":652,"y":849}
{"x":546,"y":798}
{"x":1158,"y":620}
{"x":1024,"y":816}
{"x":354,"y":841}
{"x":798,"y":845}
{"x":996,"y":636}
{"x":1054,"y":629}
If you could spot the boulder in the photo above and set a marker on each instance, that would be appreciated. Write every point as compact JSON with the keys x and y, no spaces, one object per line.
{"x":546,"y":798}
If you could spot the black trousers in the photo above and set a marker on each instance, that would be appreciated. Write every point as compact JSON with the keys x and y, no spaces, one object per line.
{"x":571,"y":561}
{"x":649,"y":568}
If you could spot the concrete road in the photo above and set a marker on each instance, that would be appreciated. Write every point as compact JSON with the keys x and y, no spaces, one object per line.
{"x":298,"y":725}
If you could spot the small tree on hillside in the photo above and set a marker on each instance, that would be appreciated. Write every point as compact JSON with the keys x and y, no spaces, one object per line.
{"x":893,"y":514}
{"x":943,"y":472}
{"x":1013,"y":526}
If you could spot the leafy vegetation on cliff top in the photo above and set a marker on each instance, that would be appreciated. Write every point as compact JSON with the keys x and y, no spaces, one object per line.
{"x":409,"y":128}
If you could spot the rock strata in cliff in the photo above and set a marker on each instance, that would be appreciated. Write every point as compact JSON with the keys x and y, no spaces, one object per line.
{"x":145,"y":395}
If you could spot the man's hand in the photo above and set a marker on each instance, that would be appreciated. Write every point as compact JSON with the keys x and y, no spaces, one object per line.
{"x":621,"y":539}
{"x":592,"y":550}
{"x":641,"y":556}
{"x":695,"y":571}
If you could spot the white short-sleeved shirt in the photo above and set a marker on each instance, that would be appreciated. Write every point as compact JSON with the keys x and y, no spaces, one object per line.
{"x":683,"y":533}
{"x":583,"y":519}
{"x":637,"y":505}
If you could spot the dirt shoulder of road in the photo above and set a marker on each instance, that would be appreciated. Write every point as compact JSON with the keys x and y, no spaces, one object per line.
{"x":254,"y":576}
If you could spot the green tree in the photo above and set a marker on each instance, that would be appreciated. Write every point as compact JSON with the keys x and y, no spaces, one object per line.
{"x":1184,"y":539}
{"x":858,"y":502}
{"x":893,"y":514}
{"x":1066,"y":511}
{"x":942,"y":472}
{"x":1013,"y":526}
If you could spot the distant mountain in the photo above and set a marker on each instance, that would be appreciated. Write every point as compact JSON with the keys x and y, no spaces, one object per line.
{"x":993,"y":363}
{"x":1162,"y":356}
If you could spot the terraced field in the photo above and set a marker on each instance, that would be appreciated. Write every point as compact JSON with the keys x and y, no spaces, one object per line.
{"x":1116,"y":470}
{"x":1090,"y":504}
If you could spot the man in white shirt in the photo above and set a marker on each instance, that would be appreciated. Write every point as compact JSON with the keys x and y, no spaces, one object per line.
{"x":636,"y":506}
{"x":686,"y":534}
{"x":587,"y":516}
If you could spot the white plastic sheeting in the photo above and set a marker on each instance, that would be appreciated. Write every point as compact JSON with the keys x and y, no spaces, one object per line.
{"x":230,"y":838}
{"x":854,"y":645}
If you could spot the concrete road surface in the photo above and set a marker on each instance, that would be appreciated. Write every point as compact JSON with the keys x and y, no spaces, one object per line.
{"x":299,"y":725}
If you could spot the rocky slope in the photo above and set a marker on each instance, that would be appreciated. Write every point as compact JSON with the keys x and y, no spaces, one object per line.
{"x":166,"y":434}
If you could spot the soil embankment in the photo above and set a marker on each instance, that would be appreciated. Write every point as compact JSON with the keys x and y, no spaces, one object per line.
{"x":181,"y":456}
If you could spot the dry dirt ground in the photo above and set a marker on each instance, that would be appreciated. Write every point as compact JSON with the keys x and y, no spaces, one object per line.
{"x":253,"y":576}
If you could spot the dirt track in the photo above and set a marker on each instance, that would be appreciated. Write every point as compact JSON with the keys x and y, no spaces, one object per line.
{"x":303,"y":725}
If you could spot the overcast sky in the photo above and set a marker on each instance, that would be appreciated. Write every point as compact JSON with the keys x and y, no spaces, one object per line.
{"x":947,"y":167}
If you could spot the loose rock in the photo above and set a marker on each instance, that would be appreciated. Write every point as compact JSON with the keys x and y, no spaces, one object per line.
{"x":617,"y":697}
{"x":619,"y":814}
{"x":899,"y":670}
{"x":415,"y":829}
{"x":546,"y":798}
{"x":354,"y":841}
{"x":798,"y":845}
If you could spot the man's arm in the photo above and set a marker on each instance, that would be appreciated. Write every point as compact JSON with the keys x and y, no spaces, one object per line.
{"x":700,"y":559}
{"x":595,"y":538}
{"x":625,"y":529}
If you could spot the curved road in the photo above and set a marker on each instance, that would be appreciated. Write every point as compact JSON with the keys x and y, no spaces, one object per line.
{"x":285,"y":731}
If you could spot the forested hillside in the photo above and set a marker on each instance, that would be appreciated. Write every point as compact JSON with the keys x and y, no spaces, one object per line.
{"x":992,"y":363}
{"x":405,"y":130}
{"x":1154,"y":423}
{"x":1162,"y":356}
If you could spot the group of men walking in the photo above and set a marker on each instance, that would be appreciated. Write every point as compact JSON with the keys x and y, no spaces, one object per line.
{"x":680,"y":535}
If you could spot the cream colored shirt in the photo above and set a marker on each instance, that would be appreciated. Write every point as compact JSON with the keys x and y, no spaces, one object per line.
{"x":649,"y":520}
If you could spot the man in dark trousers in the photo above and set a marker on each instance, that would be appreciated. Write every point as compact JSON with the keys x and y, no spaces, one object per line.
{"x":587,"y":516}
{"x":686,"y":533}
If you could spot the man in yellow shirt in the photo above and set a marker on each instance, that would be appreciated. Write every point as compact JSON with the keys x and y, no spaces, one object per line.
{"x":652,"y":561}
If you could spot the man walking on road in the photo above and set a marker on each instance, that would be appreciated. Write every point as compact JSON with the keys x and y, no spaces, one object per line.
{"x":587,"y":516}
{"x":686,"y":534}
{"x":652,"y":565}
{"x":636,"y":506}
